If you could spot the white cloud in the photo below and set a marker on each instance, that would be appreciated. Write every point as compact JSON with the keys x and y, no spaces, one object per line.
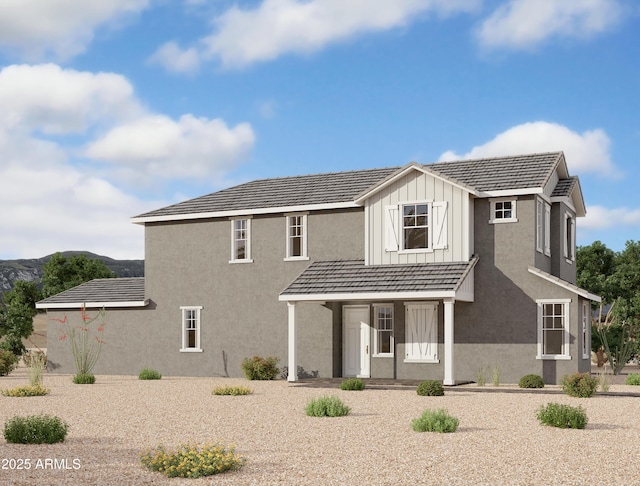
{"x":586,"y":152}
{"x":62,"y":28}
{"x":171,"y":57}
{"x":520,"y":24}
{"x":160,"y":147}
{"x":599,"y":218}
{"x":53,"y":192}
{"x":244,"y":36}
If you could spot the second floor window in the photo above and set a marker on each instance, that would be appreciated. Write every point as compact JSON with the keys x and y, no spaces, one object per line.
{"x":415,"y":226}
{"x":296,"y":237}
{"x":241,"y":240}
{"x":503,"y":211}
{"x":543,"y":227}
{"x":569,"y":238}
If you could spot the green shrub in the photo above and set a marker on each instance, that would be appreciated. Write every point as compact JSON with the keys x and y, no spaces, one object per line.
{"x":563,"y":416}
{"x":430,"y":388}
{"x":258,"y":368}
{"x":531,"y":381}
{"x":35,"y":429}
{"x":633,"y":379}
{"x":149,"y":374}
{"x":25,"y":391}
{"x":232,"y":390}
{"x":581,"y":385}
{"x":435,"y":421}
{"x":326,"y":407}
{"x":8,"y":362}
{"x":351,"y":384}
{"x":84,"y":379}
{"x":192,"y":461}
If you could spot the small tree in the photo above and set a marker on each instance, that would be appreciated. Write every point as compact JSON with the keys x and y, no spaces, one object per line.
{"x":616,"y":340}
{"x":61,"y":273}
{"x":16,"y":315}
{"x":86,"y":342}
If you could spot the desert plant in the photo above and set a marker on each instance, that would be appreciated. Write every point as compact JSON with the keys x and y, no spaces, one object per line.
{"x":37,"y":365}
{"x":352,"y":384}
{"x":326,"y":406}
{"x":8,"y":362}
{"x":25,"y":391}
{"x":495,"y":376}
{"x":632,"y":379}
{"x":149,"y":374}
{"x":604,"y":383}
{"x":435,"y":421}
{"x":531,"y":381}
{"x":258,"y":368}
{"x":562,"y":416}
{"x":84,"y":379}
{"x":581,"y":385}
{"x":232,"y":390}
{"x":35,"y":429}
{"x":26,"y":357}
{"x":481,"y":378}
{"x":192,"y":461}
{"x":430,"y":388}
{"x":85,"y":349}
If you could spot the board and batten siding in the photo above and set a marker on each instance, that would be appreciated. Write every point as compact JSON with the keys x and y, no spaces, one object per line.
{"x":418,"y":187}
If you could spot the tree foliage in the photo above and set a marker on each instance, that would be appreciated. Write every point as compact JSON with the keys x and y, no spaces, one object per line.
{"x":16,"y":315}
{"x":61,"y":273}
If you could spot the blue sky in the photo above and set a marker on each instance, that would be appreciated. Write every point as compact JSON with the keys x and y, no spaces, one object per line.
{"x":111,"y":108}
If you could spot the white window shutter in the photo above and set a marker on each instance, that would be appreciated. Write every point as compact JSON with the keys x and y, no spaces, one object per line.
{"x":392,"y":228}
{"x":421,"y":327}
{"x":440,"y":227}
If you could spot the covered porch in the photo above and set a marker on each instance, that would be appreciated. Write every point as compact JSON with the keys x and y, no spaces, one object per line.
{"x":369,"y":296}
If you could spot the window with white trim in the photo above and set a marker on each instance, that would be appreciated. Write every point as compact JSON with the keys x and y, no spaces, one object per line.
{"x":553,"y":329}
{"x":191,"y":328}
{"x":503,"y":210}
{"x":586,"y":328}
{"x":241,"y":240}
{"x":569,"y":238}
{"x":296,"y":237}
{"x":383,"y":336}
{"x":415,"y":226}
{"x":543,"y":227}
{"x":421,"y":332}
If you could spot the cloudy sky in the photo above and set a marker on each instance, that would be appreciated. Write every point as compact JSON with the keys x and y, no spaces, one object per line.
{"x":111,"y":108}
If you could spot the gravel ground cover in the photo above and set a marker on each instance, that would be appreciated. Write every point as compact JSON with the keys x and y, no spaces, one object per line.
{"x":499,"y":440}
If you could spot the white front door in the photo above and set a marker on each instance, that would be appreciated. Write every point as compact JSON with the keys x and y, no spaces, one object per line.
{"x":356,"y":340}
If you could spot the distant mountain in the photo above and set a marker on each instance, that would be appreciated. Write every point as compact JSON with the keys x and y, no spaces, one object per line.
{"x":31,"y":269}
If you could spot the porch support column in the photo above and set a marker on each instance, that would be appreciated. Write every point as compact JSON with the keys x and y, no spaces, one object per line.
{"x":293,"y":358}
{"x":448,"y":342}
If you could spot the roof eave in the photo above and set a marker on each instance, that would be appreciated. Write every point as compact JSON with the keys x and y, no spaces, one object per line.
{"x":357,"y":296}
{"x":564,"y":284}
{"x":91,"y":305}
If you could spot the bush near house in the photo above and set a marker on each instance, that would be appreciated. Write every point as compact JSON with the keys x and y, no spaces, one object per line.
{"x":258,"y":368}
{"x":531,"y":381}
{"x":84,"y":379}
{"x":351,"y":384}
{"x":26,"y":391}
{"x":326,"y":406}
{"x":192,"y":461}
{"x":8,"y":362}
{"x":35,"y":429}
{"x":581,"y":385}
{"x":149,"y":374}
{"x":232,"y":390}
{"x":632,"y":379}
{"x":562,"y":416}
{"x":435,"y":421}
{"x":430,"y":388}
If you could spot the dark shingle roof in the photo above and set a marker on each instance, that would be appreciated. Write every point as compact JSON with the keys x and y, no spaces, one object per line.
{"x":564,"y":187}
{"x":484,"y":175}
{"x":109,"y":291}
{"x":353,"y":276}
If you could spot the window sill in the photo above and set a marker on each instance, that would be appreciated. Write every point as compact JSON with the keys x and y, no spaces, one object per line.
{"x":570,"y":262}
{"x":191,"y":350}
{"x":385,"y":355}
{"x":241,"y":261}
{"x":418,"y":250}
{"x":296,"y":259}
{"x":554,"y":357}
{"x":503,"y":220}
{"x":421,"y":360}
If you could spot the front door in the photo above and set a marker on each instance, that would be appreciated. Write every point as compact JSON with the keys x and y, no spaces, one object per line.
{"x":356,"y":340}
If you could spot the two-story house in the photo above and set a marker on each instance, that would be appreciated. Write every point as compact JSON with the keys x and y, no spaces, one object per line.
{"x":417,"y":272}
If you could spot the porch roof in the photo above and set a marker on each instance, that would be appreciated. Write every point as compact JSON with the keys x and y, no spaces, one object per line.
{"x":353,"y":280}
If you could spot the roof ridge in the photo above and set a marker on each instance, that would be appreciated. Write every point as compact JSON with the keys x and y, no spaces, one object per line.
{"x":497,"y":157}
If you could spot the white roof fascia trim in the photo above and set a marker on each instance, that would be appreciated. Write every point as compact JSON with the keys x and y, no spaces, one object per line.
{"x":565,"y":285}
{"x":513,"y":192}
{"x":404,"y":171}
{"x":567,"y":200}
{"x":92,"y":305}
{"x":244,"y":212}
{"x":367,"y":296}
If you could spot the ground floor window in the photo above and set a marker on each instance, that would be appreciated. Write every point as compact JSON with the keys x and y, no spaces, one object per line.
{"x":553,"y":329}
{"x":383,"y":336}
{"x":421,"y":332}
{"x":191,"y":328}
